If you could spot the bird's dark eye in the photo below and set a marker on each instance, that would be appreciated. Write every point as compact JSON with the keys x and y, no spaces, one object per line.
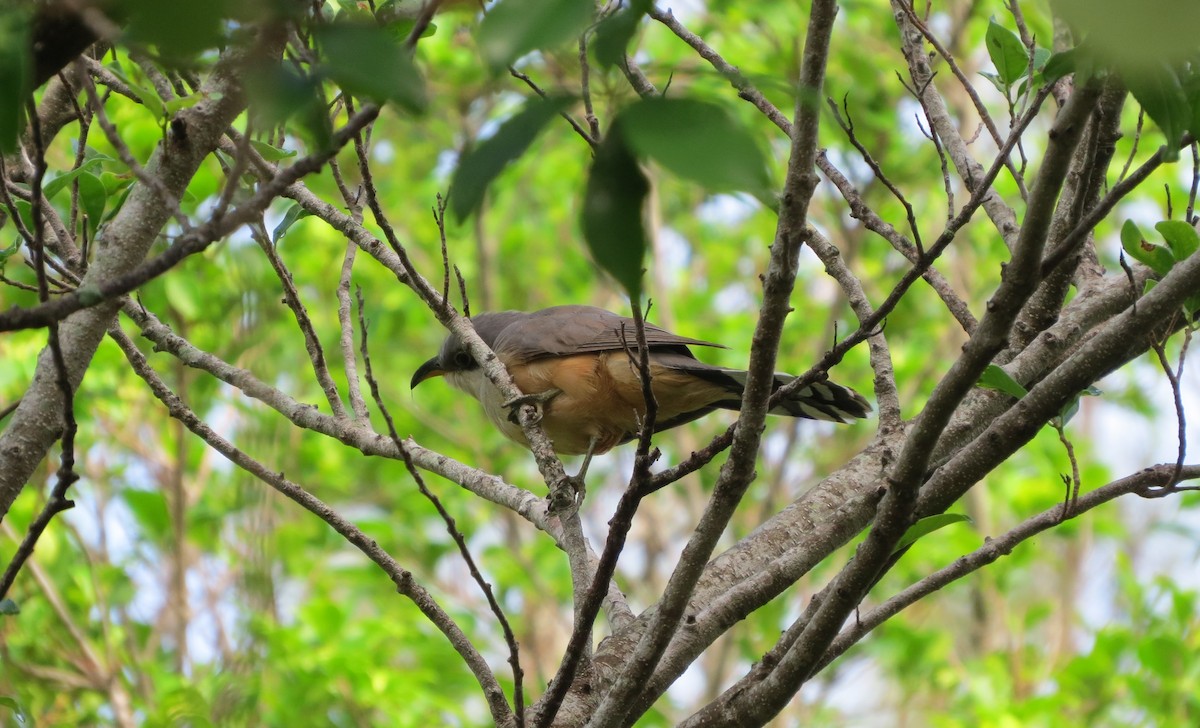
{"x":463,"y":360}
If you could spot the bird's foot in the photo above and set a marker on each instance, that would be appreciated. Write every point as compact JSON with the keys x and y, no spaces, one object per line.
{"x":539,"y":401}
{"x":577,"y":480}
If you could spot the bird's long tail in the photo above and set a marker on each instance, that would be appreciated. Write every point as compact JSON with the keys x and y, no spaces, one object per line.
{"x":821,"y":401}
{"x":818,"y":401}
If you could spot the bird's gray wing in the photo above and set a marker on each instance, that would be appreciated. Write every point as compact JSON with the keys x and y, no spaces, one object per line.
{"x":567,"y":330}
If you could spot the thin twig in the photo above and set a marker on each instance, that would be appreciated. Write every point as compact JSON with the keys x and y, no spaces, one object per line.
{"x":312,"y":343}
{"x":619,"y":526}
{"x":745,"y":89}
{"x":1174,"y":377}
{"x":583,"y":133}
{"x":1073,"y":482}
{"x":1137,"y":137}
{"x":860,"y":210}
{"x":460,"y":541}
{"x":847,"y":126}
{"x":977,"y":102}
{"x":189,"y":243}
{"x":346,"y":336}
{"x":993,"y":550}
{"x":66,"y":476}
{"x":405,"y":583}
{"x":1190,"y":216}
{"x":737,"y":473}
{"x":881,"y":358}
{"x":585,"y":89}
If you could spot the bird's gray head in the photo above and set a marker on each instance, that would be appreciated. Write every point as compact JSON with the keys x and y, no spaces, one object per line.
{"x":454,"y":356}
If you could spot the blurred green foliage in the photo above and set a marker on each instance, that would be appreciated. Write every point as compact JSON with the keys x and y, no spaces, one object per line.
{"x":284,"y":624}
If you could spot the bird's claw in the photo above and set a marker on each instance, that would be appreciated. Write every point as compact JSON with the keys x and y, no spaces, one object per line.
{"x":539,"y":401}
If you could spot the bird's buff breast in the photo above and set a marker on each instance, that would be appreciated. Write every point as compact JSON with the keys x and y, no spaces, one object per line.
{"x":586,"y":410}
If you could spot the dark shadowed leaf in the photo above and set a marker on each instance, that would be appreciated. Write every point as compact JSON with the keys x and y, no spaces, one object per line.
{"x":1134,"y":34}
{"x":614,"y":33}
{"x":613,"y":205}
{"x":513,"y":28}
{"x":1060,"y":64}
{"x":368,"y":61}
{"x":1155,"y":257}
{"x":699,"y":141}
{"x":928,"y":525}
{"x":16,"y":75}
{"x":92,"y":198}
{"x":178,"y":30}
{"x":1158,"y":89}
{"x":278,"y":92}
{"x":486,"y":161}
{"x":1008,"y":53}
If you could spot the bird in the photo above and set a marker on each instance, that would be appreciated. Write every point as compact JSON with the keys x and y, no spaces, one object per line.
{"x":575,"y":362}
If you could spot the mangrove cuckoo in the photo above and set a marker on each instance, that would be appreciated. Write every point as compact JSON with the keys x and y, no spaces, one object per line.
{"x":575,"y":361}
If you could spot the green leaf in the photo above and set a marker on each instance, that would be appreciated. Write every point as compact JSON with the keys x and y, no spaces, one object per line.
{"x":699,"y":141}
{"x":996,"y":81}
{"x":183,"y":296}
{"x":179,"y":30}
{"x":11,"y":250}
{"x":1164,"y":657}
{"x":92,"y":199}
{"x":278,"y":92}
{"x":25,"y":211}
{"x":1156,"y":257}
{"x":294,"y":213}
{"x":1180,"y":236}
{"x":16,"y":75}
{"x":926,"y":526}
{"x":1060,"y":64}
{"x":148,"y":96}
{"x":614,"y":33}
{"x":1009,"y":55}
{"x":613,"y":208}
{"x":115,"y":183}
{"x":9,"y":608}
{"x":486,"y":161}
{"x":1041,"y":56}
{"x":403,"y":28}
{"x":366,"y":60}
{"x":54,"y":186}
{"x":270,"y":153}
{"x":513,"y":28}
{"x":149,"y":507}
{"x":1071,"y":408}
{"x":1158,"y":89}
{"x":174,"y":106}
{"x":996,"y":378}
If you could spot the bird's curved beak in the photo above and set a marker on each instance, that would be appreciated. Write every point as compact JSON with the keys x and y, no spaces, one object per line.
{"x":428,"y":370}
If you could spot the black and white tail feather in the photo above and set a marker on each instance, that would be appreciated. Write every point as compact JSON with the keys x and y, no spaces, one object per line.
{"x":825,"y":401}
